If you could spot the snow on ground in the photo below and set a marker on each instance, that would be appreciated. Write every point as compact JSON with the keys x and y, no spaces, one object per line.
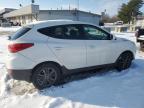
{"x":11,"y":29}
{"x":108,"y":90}
{"x":129,"y":36}
{"x":3,"y":42}
{"x":4,"y":31}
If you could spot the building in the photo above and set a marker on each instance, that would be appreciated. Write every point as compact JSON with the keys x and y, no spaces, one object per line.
{"x":4,"y":11}
{"x":137,"y":23}
{"x":32,"y":13}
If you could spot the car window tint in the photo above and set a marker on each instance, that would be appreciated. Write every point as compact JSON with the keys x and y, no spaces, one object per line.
{"x":94,"y":33}
{"x":141,"y":32}
{"x":20,"y":33}
{"x":63,"y":32}
{"x":73,"y":32}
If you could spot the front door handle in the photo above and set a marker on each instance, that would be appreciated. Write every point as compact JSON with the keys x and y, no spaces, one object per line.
{"x":58,"y":48}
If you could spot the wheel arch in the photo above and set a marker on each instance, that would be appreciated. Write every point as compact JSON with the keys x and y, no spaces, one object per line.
{"x":48,"y":62}
{"x":127,"y":51}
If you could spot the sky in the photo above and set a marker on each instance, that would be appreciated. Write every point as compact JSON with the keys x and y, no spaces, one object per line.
{"x":95,"y":6}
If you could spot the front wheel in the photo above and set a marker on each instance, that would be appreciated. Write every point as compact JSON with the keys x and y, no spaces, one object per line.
{"x":124,"y":61}
{"x":46,"y":75}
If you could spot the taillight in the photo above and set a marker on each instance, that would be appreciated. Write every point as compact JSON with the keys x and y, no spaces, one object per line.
{"x":13,"y":48}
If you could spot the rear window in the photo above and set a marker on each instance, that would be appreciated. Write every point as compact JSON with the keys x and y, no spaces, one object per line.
{"x":72,"y":32}
{"x":47,"y":31}
{"x":19,"y":33}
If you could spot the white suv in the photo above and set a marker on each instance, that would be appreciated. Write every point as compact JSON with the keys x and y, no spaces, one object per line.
{"x":43,"y":52}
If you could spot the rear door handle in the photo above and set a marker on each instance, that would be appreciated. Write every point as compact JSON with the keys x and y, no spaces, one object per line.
{"x":92,"y":46}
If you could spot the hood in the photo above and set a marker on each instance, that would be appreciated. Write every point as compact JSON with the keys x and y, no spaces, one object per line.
{"x":122,"y":39}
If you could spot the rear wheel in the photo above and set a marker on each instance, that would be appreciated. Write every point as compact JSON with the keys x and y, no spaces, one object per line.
{"x":124,"y":61}
{"x":46,"y":75}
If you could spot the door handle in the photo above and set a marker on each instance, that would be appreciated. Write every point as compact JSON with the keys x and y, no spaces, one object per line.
{"x":58,"y":48}
{"x":92,"y":46}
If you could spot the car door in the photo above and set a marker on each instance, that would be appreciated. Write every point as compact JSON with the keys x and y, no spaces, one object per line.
{"x":68,"y":45}
{"x":100,"y":48}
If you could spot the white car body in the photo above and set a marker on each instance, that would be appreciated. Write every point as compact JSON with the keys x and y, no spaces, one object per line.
{"x":71,"y":54}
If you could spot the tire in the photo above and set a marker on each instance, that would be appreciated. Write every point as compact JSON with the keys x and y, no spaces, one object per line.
{"x":46,"y":75}
{"x":124,"y":61}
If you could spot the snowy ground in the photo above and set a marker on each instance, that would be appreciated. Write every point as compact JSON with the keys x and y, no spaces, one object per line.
{"x":7,"y":30}
{"x":105,"y":89}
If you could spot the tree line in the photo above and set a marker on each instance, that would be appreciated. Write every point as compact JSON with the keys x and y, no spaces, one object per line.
{"x":131,"y":10}
{"x":127,"y":12}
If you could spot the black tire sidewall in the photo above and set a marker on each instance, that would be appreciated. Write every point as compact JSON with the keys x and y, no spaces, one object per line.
{"x":119,"y":66}
{"x":35,"y":73}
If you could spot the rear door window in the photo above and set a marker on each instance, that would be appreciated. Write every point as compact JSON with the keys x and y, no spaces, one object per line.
{"x":20,"y":33}
{"x":72,"y":32}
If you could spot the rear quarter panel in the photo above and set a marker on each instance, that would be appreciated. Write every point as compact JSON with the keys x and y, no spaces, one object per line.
{"x":39,"y":52}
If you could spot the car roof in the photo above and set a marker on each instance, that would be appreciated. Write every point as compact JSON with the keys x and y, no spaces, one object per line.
{"x":48,"y":23}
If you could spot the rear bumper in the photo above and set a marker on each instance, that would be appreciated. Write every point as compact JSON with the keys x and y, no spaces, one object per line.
{"x":24,"y":75}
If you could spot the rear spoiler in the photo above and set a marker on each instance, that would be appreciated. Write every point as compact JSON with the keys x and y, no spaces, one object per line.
{"x":29,"y":26}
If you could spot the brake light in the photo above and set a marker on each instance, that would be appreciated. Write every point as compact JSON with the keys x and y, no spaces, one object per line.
{"x":13,"y":48}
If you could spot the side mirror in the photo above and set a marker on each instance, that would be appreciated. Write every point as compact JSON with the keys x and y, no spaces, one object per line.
{"x":112,"y":37}
{"x":9,"y":37}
